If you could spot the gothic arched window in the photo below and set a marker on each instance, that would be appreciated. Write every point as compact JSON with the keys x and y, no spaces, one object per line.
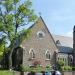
{"x":48,"y":55}
{"x":32,"y":53}
{"x":71,"y":59}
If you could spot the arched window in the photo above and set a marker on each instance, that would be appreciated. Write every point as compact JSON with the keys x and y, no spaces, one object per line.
{"x":48,"y":56}
{"x":32,"y":53}
{"x":71,"y":58}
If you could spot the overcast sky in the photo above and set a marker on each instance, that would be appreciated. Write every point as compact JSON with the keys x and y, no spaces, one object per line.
{"x":59,"y":15}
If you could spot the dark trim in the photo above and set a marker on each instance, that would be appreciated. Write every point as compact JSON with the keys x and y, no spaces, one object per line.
{"x":65,"y":53}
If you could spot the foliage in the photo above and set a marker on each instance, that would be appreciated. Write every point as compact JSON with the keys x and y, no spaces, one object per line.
{"x":48,"y":68}
{"x":25,"y":34}
{"x":1,"y":50}
{"x":33,"y":69}
{"x":13,"y":15}
{"x":60,"y":63}
{"x":36,"y":69}
{"x":73,"y":68}
{"x":2,"y":46}
{"x":66,"y":68}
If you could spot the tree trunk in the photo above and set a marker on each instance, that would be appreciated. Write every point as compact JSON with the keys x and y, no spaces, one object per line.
{"x":12,"y":46}
{"x":10,"y":59}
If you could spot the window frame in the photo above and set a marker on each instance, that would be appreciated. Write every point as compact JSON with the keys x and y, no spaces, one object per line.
{"x":71,"y":58}
{"x":40,"y":32}
{"x":32,"y":56}
{"x":49,"y":55}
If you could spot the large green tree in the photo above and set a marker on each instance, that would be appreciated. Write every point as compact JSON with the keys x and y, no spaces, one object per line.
{"x":13,"y":15}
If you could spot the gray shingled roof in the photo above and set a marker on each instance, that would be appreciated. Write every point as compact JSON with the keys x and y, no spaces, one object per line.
{"x":65,"y":44}
{"x":65,"y":41}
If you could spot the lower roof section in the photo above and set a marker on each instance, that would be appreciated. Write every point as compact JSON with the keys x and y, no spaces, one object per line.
{"x":65,"y":44}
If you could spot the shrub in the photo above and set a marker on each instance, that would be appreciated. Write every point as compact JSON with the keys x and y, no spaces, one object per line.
{"x":73,"y":68}
{"x":32,"y":69}
{"x":60,"y":64}
{"x":47,"y":66}
{"x":66,"y":68}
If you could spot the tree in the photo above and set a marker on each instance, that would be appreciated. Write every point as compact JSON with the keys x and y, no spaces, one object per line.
{"x":14,"y":14}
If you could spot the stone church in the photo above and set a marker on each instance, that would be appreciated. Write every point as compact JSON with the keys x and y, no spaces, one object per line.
{"x":44,"y":46}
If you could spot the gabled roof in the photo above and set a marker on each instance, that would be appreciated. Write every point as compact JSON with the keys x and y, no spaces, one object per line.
{"x":18,"y":42}
{"x":41,"y":19}
{"x":66,"y":43}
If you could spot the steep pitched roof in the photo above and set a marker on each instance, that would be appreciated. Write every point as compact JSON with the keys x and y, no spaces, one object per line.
{"x":40,"y":19}
{"x":66,"y":43}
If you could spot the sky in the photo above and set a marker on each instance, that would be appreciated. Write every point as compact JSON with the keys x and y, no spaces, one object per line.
{"x":59,"y":15}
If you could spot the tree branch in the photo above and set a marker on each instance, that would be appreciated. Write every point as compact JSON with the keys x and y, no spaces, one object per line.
{"x":24,"y":24}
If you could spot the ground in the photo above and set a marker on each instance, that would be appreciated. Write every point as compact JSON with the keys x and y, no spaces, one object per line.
{"x":6,"y":72}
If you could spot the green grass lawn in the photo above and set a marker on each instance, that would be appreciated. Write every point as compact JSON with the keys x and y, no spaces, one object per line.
{"x":7,"y":73}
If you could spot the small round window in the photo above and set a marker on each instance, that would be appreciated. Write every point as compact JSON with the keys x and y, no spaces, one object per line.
{"x":40,"y":34}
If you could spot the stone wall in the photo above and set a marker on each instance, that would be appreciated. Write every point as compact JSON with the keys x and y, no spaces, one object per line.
{"x":68,"y":73}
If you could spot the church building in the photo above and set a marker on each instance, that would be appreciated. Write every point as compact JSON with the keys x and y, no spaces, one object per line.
{"x":45,"y":47}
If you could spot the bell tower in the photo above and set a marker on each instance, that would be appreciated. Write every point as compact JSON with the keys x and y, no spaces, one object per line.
{"x":74,"y":46}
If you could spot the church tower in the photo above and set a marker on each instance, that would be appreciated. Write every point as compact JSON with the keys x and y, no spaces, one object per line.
{"x":74,"y":46}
